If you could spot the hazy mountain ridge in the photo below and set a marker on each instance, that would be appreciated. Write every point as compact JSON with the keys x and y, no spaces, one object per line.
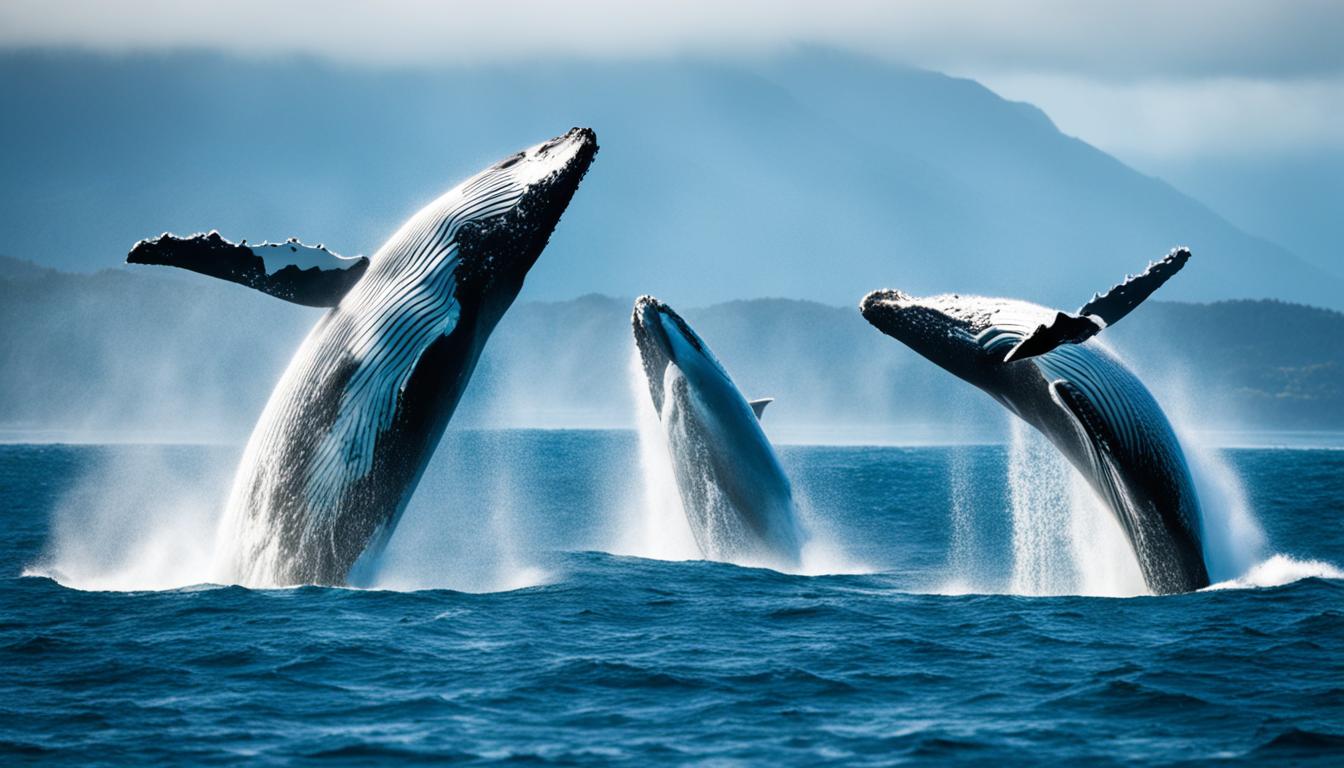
{"x":814,"y":175}
{"x":137,"y":353}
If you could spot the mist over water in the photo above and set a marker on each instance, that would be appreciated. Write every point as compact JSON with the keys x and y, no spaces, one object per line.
{"x":138,"y":518}
{"x":484,"y":518}
{"x":653,"y":522}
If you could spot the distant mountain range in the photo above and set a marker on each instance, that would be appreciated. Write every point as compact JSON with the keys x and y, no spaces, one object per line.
{"x":814,"y":175}
{"x":147,"y":354}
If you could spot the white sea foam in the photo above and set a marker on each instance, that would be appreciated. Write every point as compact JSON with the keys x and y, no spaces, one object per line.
{"x":1279,"y":570}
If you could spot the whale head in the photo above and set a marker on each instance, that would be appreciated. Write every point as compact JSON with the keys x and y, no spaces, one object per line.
{"x":519,"y":201}
{"x":480,"y":239}
{"x":966,"y":335}
{"x":666,"y":341}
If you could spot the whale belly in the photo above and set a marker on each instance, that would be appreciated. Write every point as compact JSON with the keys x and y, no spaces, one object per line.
{"x":737,"y":499}
{"x":343,"y":440}
{"x":1112,"y":429}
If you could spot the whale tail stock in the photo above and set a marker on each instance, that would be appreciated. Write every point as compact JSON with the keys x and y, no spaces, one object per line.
{"x":309,"y":275}
{"x":1102,"y":311}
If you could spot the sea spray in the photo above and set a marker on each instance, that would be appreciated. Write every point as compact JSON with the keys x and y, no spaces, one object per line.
{"x":470,"y":535}
{"x":1279,"y":570}
{"x":1104,"y":562}
{"x":961,"y":549}
{"x":1234,"y":542}
{"x":1039,"y":498}
{"x":966,"y":541}
{"x":1233,"y":539}
{"x":651,"y":521}
{"x":1066,"y":541}
{"x":138,"y":518}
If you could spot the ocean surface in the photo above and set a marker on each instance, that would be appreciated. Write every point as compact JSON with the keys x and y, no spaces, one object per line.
{"x":540,"y":603}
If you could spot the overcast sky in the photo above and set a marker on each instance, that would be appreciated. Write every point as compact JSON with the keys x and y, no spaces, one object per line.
{"x":1149,"y":81}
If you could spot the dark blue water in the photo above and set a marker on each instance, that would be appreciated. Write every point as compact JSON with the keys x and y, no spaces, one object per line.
{"x":610,"y":659}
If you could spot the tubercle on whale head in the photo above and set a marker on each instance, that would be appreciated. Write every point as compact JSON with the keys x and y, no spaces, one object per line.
{"x":498,"y":252}
{"x":940,"y":328}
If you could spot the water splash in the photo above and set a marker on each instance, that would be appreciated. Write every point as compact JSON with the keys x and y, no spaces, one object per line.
{"x":1039,"y":500}
{"x":969,"y":569}
{"x":654,"y":527}
{"x":823,"y":552}
{"x":1233,"y":539}
{"x":1065,"y":540}
{"x":1279,"y":570}
{"x":963,"y":541}
{"x":143,"y":518}
{"x":466,"y":537}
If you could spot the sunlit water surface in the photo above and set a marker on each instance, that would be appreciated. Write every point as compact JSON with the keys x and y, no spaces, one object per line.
{"x":540,"y":603}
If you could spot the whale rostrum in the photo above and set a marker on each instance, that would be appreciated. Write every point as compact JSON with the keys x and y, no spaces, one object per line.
{"x":349,"y":428}
{"x":1038,"y":364}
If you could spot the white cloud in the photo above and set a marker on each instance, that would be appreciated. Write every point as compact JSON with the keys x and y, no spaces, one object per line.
{"x":1118,"y":40}
{"x":1146,"y":120}
{"x":1140,"y":78}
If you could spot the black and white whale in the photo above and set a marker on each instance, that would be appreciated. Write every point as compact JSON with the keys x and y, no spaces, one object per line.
{"x":1034,"y":361}
{"x":737,"y":499}
{"x":348,"y":430}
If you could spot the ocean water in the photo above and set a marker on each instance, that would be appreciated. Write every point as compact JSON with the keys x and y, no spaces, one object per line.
{"x":539,"y":604}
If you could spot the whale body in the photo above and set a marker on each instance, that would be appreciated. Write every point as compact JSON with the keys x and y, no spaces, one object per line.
{"x":352,"y":423}
{"x":1037,"y":363}
{"x":737,"y":499}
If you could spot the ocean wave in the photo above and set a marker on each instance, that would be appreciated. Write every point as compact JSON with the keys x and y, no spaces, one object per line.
{"x":1279,"y":570}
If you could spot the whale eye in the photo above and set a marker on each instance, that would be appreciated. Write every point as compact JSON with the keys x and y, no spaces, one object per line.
{"x":512,"y":161}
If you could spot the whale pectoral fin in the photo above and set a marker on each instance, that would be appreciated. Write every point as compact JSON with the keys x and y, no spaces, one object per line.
{"x":1118,"y":301}
{"x":1064,"y":329}
{"x":758,"y":406}
{"x":1102,"y":311}
{"x":304,"y":274}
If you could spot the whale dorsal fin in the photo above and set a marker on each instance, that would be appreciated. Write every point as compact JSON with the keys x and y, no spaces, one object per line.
{"x":1103,"y":310}
{"x":758,"y":406}
{"x":304,"y":274}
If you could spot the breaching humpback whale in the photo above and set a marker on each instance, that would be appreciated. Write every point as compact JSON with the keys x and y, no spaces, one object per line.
{"x":349,"y":428}
{"x":1080,"y":396}
{"x":737,"y":499}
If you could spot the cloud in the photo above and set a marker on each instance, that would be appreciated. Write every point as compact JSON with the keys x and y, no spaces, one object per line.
{"x":1163,"y":119}
{"x":1142,"y":38}
{"x":1145,"y":78}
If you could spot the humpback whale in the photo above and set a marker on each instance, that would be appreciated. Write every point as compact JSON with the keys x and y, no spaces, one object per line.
{"x":352,"y":423}
{"x":1035,"y":362}
{"x":737,"y":499}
